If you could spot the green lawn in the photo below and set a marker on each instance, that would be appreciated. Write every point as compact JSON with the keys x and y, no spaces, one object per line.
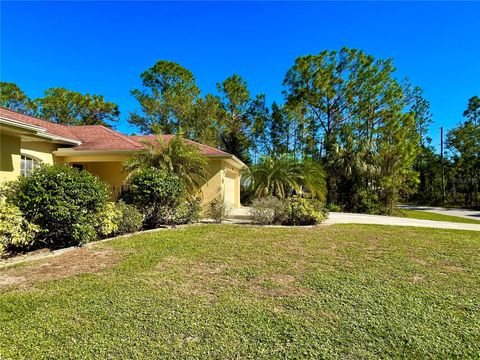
{"x":220,"y":291}
{"x":424,"y":215}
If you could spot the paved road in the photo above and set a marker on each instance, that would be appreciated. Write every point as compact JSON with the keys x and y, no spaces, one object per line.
{"x":465,"y":213}
{"x":349,"y":218}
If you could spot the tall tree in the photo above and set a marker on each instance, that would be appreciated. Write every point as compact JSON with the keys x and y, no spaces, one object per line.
{"x":207,"y":117}
{"x":73,"y":108}
{"x":420,"y":108}
{"x":167,"y":100}
{"x":342,"y":95}
{"x":13,"y":98}
{"x":279,"y":130}
{"x":464,"y":141}
{"x":398,"y":148}
{"x":472,"y":113}
{"x":243,"y":119}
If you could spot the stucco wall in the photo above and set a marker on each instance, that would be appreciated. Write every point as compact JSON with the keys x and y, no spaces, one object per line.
{"x":213,"y":188}
{"x":39,"y":150}
{"x":9,"y":157}
{"x":109,"y":172}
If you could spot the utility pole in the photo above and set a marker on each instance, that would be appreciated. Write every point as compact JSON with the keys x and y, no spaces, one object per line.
{"x":443,"y":169}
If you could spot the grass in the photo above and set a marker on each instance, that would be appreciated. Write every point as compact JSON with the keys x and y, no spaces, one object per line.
{"x":425,"y":215}
{"x":216,"y":291}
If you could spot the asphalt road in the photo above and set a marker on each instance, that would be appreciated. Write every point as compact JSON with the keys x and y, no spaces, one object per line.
{"x":465,"y":213}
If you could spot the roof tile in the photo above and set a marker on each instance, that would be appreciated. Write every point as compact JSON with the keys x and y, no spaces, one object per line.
{"x":98,"y":137}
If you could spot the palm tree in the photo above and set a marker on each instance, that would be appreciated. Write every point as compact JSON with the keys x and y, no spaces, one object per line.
{"x":313,"y":179}
{"x":279,"y":176}
{"x":176,"y":157}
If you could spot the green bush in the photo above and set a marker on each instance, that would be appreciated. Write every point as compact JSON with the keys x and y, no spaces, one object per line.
{"x":189,"y":211}
{"x":118,"y":219}
{"x":300,"y":211}
{"x":294,"y":210}
{"x":265,"y":210}
{"x":334,"y":208}
{"x":218,"y":211}
{"x":109,"y":219}
{"x":15,"y":231}
{"x":130,"y":219}
{"x":63,"y":201}
{"x":157,"y":194}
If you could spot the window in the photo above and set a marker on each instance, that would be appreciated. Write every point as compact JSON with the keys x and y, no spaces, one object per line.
{"x":78,"y":166}
{"x":27,"y":164}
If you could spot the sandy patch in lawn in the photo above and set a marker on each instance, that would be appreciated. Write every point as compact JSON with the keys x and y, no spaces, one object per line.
{"x":208,"y":279}
{"x":80,"y":261}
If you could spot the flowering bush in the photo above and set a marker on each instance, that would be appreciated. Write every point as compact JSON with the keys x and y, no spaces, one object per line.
{"x":294,"y":210}
{"x":15,"y":231}
{"x":265,"y":210}
{"x":130,"y":219}
{"x":63,"y":201}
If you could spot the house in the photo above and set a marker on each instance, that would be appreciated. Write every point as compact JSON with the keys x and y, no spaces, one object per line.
{"x":26,"y":141}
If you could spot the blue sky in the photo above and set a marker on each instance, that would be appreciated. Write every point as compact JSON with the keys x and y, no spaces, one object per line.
{"x":102,"y":47}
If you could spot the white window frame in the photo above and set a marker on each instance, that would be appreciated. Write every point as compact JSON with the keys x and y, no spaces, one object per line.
{"x":26,"y":171}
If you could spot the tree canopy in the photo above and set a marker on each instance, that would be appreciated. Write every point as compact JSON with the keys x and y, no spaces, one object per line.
{"x":13,"y":98}
{"x":68,"y":107}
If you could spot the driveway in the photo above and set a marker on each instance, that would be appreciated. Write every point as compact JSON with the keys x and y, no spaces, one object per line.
{"x":349,"y":218}
{"x":242,"y":216}
{"x":465,"y":213}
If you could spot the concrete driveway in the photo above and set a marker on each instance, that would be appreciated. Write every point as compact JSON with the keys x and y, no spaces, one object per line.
{"x":465,"y":213}
{"x":349,"y":218}
{"x":242,"y":216}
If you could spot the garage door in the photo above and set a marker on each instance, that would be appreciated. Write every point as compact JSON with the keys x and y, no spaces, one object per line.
{"x":229,"y":195}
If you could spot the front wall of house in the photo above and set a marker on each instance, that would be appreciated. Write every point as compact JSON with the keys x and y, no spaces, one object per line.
{"x":213,"y":188}
{"x":223,"y":184}
{"x":109,"y":172}
{"x":10,"y":148}
{"x":40,"y":150}
{"x":108,"y":168}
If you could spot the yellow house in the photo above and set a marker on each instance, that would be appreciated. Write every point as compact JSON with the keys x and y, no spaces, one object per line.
{"x":26,"y":141}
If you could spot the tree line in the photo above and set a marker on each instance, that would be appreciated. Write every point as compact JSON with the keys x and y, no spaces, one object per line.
{"x":344,"y":110}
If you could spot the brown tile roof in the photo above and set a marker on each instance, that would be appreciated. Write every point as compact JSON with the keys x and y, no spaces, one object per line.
{"x":98,"y":137}
{"x":204,"y":149}
{"x":52,"y":128}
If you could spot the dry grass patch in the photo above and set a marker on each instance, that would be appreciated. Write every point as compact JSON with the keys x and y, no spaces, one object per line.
{"x":80,"y":261}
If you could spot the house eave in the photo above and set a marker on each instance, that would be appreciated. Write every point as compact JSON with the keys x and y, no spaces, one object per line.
{"x":72,"y":153}
{"x":37,"y":131}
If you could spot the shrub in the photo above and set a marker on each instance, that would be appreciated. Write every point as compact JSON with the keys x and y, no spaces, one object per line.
{"x":218,"y":210}
{"x":334,"y":207}
{"x":247,"y":190}
{"x":265,"y":210}
{"x":294,"y":210}
{"x":15,"y":231}
{"x":157,"y":194}
{"x":130,"y":219}
{"x":189,"y":211}
{"x":63,"y":201}
{"x":300,"y":211}
{"x":109,"y":219}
